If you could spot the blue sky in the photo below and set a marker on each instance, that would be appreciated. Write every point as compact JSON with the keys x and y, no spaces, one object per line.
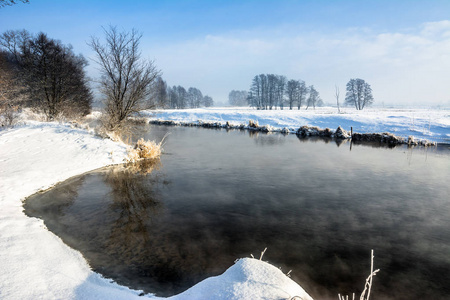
{"x":402,"y":48}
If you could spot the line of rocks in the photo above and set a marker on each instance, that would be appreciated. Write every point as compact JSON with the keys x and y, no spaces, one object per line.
{"x":306,"y":131}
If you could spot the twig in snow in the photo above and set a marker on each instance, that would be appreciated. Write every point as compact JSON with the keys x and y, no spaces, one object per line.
{"x":262,"y":253}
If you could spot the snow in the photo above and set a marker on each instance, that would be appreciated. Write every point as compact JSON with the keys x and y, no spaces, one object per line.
{"x":36,"y":264}
{"x":248,"y":279}
{"x":423,"y":124}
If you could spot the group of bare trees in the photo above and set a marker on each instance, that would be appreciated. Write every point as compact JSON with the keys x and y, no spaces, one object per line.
{"x":238,"y":98}
{"x":296,"y":92}
{"x":42,"y":73}
{"x":269,"y":91}
{"x":177,"y":97}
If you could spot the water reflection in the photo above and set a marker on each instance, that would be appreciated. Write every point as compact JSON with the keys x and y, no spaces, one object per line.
{"x":135,"y":201}
{"x":318,"y":208}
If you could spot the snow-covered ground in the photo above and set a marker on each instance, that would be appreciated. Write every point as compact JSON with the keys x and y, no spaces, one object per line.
{"x":36,"y":264}
{"x":423,"y":124}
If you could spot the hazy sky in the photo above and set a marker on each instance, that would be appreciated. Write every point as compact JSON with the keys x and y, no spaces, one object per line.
{"x":401,"y":48}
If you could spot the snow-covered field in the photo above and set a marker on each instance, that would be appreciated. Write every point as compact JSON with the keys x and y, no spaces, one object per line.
{"x":423,"y":124}
{"x":36,"y":264}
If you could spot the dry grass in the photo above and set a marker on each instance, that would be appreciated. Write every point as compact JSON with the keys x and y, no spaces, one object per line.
{"x":144,"y":150}
{"x":253,"y":124}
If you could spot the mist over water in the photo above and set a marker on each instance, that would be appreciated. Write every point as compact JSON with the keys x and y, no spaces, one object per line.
{"x":216,"y":196}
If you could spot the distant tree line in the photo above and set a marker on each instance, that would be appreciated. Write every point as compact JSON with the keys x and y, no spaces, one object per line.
{"x":41,"y":72}
{"x":270,"y":91}
{"x":238,"y":98}
{"x":177,"y":97}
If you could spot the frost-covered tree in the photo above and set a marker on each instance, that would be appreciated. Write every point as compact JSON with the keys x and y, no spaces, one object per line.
{"x":238,"y":98}
{"x":127,"y":79}
{"x":291,"y":90}
{"x":313,"y":98}
{"x":336,"y":94}
{"x":195,"y":97}
{"x":208,"y":101}
{"x":179,"y":98}
{"x":296,"y":92}
{"x":160,"y":97}
{"x":267,"y":91}
{"x":359,"y":93}
{"x":301,"y":93}
{"x":279,"y":90}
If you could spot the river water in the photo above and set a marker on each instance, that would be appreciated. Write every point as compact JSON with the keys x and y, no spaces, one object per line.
{"x":318,"y":206}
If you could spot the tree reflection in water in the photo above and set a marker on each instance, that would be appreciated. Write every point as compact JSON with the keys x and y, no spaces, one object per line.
{"x":136,"y":206}
{"x":134,"y":198}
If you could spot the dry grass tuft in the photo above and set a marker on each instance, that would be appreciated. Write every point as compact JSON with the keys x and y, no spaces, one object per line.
{"x":253,"y":124}
{"x":144,"y":150}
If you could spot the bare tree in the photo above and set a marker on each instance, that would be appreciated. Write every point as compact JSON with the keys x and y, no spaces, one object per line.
{"x":9,"y":89}
{"x":4,"y":3}
{"x":280,"y":88}
{"x":301,"y":94}
{"x":359,"y":93}
{"x":313,"y":98}
{"x":238,"y":98}
{"x":291,"y":91}
{"x":208,"y":101}
{"x":9,"y":77}
{"x":195,"y":97}
{"x":127,"y":79}
{"x":55,"y":77}
{"x":51,"y":76}
{"x":160,"y":97}
{"x":267,"y":91}
{"x":337,"y":98}
{"x":14,"y":41}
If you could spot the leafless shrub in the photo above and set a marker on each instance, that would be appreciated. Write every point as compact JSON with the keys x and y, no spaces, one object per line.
{"x":8,"y":114}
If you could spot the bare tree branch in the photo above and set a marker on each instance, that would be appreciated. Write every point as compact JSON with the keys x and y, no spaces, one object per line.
{"x":4,"y":3}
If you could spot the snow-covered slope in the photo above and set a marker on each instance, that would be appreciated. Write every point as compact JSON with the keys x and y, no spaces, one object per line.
{"x":36,"y":264}
{"x":429,"y":124}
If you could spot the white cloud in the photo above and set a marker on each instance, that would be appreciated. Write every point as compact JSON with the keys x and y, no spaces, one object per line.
{"x":402,"y":67}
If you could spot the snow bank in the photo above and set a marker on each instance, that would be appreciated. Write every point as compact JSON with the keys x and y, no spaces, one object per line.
{"x":36,"y":264}
{"x":247,"y":279}
{"x":422,"y":124}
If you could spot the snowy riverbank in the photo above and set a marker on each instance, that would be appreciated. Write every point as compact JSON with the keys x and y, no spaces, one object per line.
{"x":422,"y":124}
{"x":36,"y":264}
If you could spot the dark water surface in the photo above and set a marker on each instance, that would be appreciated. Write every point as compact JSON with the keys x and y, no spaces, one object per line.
{"x":216,"y":196}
